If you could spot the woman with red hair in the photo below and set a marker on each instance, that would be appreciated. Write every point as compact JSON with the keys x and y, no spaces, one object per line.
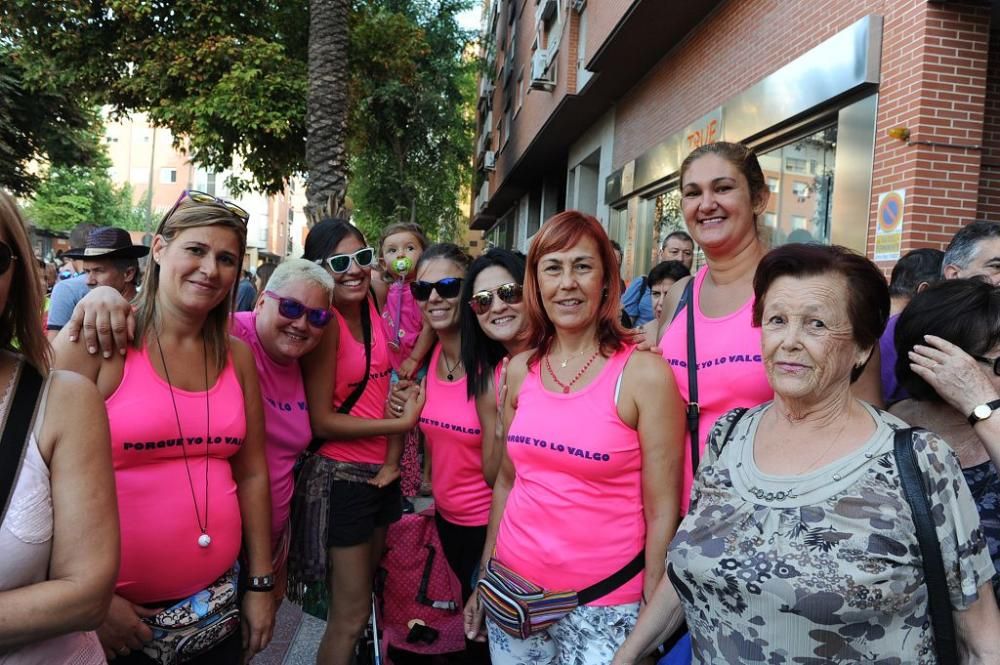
{"x":586,"y":497}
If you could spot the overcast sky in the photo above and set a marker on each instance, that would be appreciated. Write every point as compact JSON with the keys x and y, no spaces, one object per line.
{"x":470,"y":19}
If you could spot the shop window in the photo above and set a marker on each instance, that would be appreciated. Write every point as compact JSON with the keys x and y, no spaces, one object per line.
{"x":799,"y":209}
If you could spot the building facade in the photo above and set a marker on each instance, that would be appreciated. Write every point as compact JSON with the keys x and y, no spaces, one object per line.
{"x":592,"y":105}
{"x":144,"y":157}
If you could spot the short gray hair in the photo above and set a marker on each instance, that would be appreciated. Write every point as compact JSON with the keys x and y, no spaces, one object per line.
{"x":296,"y":270}
{"x":962,"y":248}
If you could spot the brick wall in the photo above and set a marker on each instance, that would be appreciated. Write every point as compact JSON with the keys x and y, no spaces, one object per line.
{"x":933,"y":81}
{"x":989,"y":179}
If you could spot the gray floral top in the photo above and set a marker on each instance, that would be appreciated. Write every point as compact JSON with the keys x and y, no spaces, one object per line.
{"x":823,"y":567}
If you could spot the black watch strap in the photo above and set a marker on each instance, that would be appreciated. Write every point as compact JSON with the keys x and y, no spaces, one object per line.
{"x":975,"y":417}
{"x":261,"y":583}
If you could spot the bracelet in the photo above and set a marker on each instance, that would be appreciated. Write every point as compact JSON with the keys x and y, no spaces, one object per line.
{"x":261,"y":583}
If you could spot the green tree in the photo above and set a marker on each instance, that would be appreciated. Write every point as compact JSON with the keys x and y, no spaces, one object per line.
{"x":38,"y":121}
{"x":70,"y":195}
{"x":249,"y":80}
{"x":412,"y":111}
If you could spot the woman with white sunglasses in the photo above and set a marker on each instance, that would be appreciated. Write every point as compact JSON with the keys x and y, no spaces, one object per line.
{"x":344,"y":498}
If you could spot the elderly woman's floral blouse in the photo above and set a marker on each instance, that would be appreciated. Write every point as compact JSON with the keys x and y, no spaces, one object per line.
{"x":822,"y":567}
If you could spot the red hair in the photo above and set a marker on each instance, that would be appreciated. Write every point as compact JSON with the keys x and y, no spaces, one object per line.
{"x":559,"y":233}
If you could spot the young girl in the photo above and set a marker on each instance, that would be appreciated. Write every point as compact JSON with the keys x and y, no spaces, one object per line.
{"x":410,"y":337}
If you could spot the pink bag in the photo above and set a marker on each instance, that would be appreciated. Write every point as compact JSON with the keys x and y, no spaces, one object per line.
{"x":419,"y":584}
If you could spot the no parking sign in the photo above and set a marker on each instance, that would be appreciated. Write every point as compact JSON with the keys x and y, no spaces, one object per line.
{"x":889,"y":225}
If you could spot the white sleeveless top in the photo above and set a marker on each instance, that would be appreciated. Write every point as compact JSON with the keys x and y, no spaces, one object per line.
{"x":26,"y":544}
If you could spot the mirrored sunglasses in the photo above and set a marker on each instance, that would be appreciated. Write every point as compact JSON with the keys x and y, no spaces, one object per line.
{"x":482,"y":301}
{"x":449,"y":287}
{"x":208,"y":199}
{"x":7,"y":257}
{"x":341,"y":263}
{"x":292,"y":309}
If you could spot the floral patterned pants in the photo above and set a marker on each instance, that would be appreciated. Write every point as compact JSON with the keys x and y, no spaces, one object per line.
{"x":589,"y":635}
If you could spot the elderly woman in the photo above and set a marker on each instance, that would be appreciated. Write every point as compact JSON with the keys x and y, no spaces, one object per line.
{"x":948,"y":339}
{"x":187,"y":442}
{"x":59,"y":532}
{"x":594,"y":440}
{"x":799,"y":545}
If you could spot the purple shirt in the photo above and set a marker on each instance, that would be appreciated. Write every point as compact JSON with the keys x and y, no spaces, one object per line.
{"x":891,"y":390}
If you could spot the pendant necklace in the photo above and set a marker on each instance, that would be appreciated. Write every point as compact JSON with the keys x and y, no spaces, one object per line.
{"x":566,"y":386}
{"x":451,"y":370}
{"x":204,"y":540}
{"x":563,"y":364}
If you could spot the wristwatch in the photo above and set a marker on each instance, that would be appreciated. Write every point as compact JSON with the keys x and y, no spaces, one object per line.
{"x":261,"y":583}
{"x":983,"y":411}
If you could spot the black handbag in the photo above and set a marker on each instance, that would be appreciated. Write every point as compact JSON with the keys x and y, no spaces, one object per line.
{"x":20,"y":415}
{"x":938,"y":598}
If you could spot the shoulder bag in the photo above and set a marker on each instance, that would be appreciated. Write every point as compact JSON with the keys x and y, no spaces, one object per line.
{"x":521,"y":608}
{"x":13,"y":443}
{"x":938,"y":598}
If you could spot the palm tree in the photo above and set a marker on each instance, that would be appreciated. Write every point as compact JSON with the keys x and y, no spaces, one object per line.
{"x":327,"y":107}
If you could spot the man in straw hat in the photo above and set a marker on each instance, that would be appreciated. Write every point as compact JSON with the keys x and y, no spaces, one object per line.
{"x":109,"y":259}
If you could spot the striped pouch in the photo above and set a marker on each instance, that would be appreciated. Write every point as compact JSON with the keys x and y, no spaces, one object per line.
{"x":519,"y":607}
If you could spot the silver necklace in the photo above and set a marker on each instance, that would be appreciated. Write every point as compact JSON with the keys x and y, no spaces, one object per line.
{"x":204,"y":540}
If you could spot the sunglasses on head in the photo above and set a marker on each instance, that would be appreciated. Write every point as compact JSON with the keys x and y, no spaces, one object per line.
{"x":7,"y":257}
{"x":482,"y":301}
{"x":207,"y":199}
{"x":290,"y":308}
{"x":340,"y":263}
{"x":449,"y":287}
{"x":992,"y":362}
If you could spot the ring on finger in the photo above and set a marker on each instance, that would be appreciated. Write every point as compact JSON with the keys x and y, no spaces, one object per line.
{"x":124,"y":650}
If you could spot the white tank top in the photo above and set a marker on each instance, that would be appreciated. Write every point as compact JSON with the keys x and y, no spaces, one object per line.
{"x":26,"y":543}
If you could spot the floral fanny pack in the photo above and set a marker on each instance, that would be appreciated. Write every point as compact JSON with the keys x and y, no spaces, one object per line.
{"x":196,"y":624}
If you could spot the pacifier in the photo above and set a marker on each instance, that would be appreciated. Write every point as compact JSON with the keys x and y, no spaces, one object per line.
{"x":402,"y":265}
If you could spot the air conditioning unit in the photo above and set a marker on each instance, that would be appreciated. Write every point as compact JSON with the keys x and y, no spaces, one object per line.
{"x":540,"y":78}
{"x":489,"y":161}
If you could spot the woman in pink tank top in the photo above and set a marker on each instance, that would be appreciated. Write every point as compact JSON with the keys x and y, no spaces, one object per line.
{"x":187,"y":437}
{"x":345,"y":497}
{"x":58,"y":522}
{"x":452,"y":433}
{"x":493,"y":330}
{"x":594,"y":431}
{"x":723,"y":193}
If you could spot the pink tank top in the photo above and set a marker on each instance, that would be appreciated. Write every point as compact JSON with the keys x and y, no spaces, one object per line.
{"x":575,"y":513}
{"x":730,"y":370}
{"x":161,"y":558}
{"x":401,"y":321}
{"x":455,"y":440}
{"x":371,"y":404}
{"x":286,"y":420}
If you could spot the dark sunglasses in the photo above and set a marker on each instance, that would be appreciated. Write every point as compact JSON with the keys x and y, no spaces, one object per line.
{"x":993,"y":362}
{"x":482,"y":301}
{"x":290,"y":308}
{"x":449,"y":287}
{"x":7,"y":257}
{"x":340,"y":263}
{"x":206,"y":198}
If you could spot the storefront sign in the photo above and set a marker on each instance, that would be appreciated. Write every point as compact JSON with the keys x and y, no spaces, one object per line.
{"x":707,"y":129}
{"x":889,"y":228}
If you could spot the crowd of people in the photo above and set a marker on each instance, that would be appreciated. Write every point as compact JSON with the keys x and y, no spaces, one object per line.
{"x":698,"y":467}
